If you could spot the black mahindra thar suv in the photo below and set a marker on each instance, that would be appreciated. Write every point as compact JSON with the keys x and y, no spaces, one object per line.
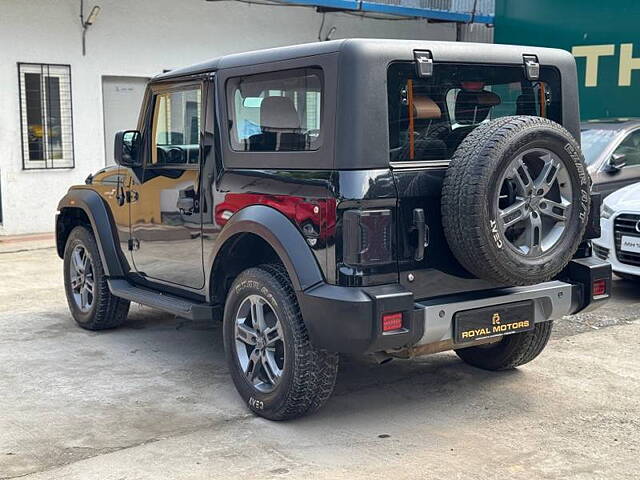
{"x":378,"y":197}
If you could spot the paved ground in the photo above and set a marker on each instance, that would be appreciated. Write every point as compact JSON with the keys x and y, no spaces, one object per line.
{"x":153,"y":401}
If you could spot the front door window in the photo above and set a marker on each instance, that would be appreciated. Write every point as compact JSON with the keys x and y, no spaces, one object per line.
{"x":176,"y":128}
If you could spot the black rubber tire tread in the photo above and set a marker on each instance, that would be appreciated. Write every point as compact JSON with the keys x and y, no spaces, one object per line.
{"x":108,"y":311}
{"x":512,"y":351}
{"x":451,"y":198}
{"x":325,"y":371}
{"x":314,"y":371}
{"x":464,"y":202}
{"x":628,"y":277}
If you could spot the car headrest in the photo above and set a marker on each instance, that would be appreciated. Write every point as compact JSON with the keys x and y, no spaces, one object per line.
{"x":425,"y":109}
{"x":526,"y":104}
{"x":473,"y":107}
{"x":278,"y":114}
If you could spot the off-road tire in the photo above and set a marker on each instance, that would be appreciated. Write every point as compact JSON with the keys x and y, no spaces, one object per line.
{"x":511,"y":352}
{"x":309,"y":374}
{"x":107,"y":310}
{"x":469,"y":188}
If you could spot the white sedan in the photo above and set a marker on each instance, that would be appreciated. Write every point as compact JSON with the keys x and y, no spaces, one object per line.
{"x":620,"y":240}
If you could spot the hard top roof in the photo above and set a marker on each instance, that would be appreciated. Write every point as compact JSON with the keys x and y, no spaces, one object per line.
{"x":376,"y":48}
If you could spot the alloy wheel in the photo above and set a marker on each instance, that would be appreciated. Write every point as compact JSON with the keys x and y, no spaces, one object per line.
{"x":534,"y":202}
{"x":259,"y":343}
{"x":81,"y":278}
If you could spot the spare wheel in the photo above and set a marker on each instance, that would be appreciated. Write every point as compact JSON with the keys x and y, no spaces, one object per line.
{"x":515,"y":200}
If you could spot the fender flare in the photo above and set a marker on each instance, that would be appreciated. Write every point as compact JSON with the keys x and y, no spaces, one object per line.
{"x":92,"y":204}
{"x":285,"y":239}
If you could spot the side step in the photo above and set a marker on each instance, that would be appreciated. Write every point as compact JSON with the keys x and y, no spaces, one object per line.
{"x":180,"y":307}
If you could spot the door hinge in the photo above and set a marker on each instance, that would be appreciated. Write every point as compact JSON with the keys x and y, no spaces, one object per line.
{"x":134,"y":244}
{"x":132,"y":196}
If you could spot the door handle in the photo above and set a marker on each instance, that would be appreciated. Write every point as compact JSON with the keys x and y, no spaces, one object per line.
{"x":420,"y":226}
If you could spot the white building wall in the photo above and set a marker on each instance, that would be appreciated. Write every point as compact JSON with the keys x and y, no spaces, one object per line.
{"x":135,"y":38}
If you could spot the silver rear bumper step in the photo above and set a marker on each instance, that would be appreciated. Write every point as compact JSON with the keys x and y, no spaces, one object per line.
{"x":552,"y":300}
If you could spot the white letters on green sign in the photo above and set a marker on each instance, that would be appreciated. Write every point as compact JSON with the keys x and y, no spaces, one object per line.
{"x":592,"y":53}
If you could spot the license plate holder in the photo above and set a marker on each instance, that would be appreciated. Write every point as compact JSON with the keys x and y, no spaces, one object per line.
{"x":630,"y":243}
{"x":486,"y":322}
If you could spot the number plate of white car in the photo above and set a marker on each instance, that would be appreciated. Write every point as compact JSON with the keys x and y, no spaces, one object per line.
{"x":630,"y":244}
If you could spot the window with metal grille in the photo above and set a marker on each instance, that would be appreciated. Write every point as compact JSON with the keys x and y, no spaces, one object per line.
{"x":46,"y":116}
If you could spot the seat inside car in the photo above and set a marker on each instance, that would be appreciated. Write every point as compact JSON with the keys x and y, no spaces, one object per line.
{"x":472,"y":108}
{"x":428,"y":131}
{"x":280,"y":127}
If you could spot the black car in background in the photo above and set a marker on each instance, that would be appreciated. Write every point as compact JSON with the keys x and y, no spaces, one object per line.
{"x":611,"y":149}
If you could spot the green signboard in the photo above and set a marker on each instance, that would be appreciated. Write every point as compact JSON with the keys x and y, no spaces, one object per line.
{"x":603,"y":36}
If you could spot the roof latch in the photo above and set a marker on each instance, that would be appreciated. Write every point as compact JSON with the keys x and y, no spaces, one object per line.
{"x":424,"y":63}
{"x":531,"y":67}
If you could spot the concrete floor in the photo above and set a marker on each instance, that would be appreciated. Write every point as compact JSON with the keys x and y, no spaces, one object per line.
{"x":153,"y":400}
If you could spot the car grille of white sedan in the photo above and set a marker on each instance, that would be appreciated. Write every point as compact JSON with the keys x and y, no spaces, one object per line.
{"x":601,"y":252}
{"x":628,"y":226}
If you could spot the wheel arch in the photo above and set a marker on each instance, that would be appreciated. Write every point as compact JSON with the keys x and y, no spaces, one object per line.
{"x":270,"y":237}
{"x":86,"y":207}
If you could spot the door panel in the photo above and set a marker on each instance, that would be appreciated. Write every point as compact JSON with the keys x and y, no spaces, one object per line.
{"x":166,"y":222}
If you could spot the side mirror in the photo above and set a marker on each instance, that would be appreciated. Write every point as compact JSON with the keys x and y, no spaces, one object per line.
{"x":126,"y":149}
{"x":616,"y":162}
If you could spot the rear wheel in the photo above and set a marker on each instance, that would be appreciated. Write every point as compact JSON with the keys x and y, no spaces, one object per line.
{"x":274,"y":367}
{"x":510,"y":352}
{"x":91,"y":303}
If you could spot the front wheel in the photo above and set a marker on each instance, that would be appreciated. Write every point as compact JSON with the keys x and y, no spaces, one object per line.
{"x":91,"y":303}
{"x":274,"y":367}
{"x":510,"y":352}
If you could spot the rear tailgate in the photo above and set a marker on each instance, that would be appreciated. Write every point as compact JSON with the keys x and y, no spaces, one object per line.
{"x":432,"y":270}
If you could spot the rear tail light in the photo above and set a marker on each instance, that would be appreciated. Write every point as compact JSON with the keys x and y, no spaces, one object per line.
{"x":367,"y":237}
{"x":599,"y":288}
{"x":391,"y":321}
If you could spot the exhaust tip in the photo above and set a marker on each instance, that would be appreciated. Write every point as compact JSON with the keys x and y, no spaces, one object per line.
{"x":382,"y":358}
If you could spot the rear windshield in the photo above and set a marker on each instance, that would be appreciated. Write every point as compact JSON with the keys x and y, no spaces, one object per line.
{"x":455,"y":100}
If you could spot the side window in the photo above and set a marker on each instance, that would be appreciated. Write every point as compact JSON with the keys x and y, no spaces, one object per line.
{"x":279,"y":111}
{"x":176,"y":128}
{"x":630,"y":148}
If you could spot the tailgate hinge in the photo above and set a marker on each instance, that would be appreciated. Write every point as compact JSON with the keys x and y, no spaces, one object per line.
{"x":531,"y":67}
{"x":424,"y":63}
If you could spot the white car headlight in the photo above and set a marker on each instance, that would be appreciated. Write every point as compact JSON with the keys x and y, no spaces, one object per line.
{"x":606,"y":212}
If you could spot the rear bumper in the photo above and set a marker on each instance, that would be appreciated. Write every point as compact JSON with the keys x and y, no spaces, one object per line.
{"x":349,"y":320}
